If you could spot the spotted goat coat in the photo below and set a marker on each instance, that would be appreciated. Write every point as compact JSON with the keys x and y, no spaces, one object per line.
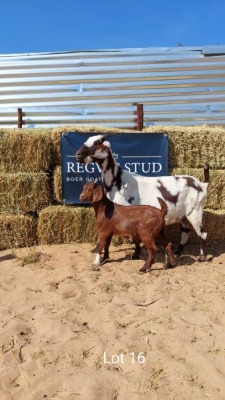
{"x":184,"y":195}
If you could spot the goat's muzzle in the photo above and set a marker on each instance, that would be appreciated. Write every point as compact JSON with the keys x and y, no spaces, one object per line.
{"x":82,"y":153}
{"x":85,"y":197}
{"x":79,"y":157}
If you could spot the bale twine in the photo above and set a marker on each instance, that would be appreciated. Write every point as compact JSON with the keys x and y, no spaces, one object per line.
{"x":66,"y":224}
{"x":216,"y":188}
{"x":17,"y":231}
{"x":24,"y":192}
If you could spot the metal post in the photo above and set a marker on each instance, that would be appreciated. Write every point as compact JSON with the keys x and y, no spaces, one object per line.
{"x":140,"y":117}
{"x":20,"y":118}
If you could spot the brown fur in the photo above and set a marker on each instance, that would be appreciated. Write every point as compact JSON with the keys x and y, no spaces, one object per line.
{"x":141,"y":223}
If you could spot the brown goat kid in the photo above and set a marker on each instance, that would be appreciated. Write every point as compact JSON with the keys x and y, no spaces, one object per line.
{"x":141,"y":223}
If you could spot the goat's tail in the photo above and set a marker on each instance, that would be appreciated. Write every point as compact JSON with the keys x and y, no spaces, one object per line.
{"x":206,"y":173}
{"x":163,"y":205}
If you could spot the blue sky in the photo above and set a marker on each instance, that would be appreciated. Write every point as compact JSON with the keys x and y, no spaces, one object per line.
{"x":32,"y":26}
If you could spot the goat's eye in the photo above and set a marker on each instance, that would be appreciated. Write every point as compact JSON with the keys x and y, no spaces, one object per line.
{"x":100,"y":141}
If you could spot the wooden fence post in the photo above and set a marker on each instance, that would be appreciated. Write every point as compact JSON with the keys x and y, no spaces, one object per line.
{"x":140,"y":117}
{"x":20,"y":118}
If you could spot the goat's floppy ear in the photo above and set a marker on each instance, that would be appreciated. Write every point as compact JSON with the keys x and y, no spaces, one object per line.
{"x":97,"y":193}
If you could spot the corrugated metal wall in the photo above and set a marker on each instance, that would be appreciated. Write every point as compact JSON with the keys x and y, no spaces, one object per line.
{"x":177,"y":86}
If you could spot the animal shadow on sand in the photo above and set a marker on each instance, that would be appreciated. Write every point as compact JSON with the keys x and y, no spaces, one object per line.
{"x":190,"y":257}
{"x":7,"y":257}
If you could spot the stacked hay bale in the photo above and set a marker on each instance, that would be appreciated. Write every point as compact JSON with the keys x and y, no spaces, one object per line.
{"x":31,"y":191}
{"x":25,"y":161}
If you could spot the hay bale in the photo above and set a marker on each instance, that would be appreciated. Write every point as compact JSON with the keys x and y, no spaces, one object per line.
{"x":188,"y":146}
{"x":216,"y":189}
{"x":57,"y":184}
{"x":24,"y":192}
{"x":17,"y":231}
{"x":25,"y":150}
{"x":66,"y":224}
{"x":214,"y":223}
{"x":192,"y":146}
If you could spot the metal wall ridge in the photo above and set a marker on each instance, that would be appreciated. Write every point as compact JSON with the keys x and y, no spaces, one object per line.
{"x":176,"y":85}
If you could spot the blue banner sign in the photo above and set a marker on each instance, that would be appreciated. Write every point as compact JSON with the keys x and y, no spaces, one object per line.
{"x":144,"y":154}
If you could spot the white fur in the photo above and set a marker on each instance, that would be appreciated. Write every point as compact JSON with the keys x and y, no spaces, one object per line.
{"x":96,"y":262}
{"x":92,"y":139}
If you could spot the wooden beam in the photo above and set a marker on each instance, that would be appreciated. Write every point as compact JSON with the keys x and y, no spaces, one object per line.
{"x":140,"y":117}
{"x":20,"y":118}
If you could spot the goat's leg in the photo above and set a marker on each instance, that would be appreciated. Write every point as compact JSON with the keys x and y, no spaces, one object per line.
{"x":137,"y":251}
{"x":195,"y":218}
{"x":149,"y":261}
{"x":202,"y":256}
{"x":99,"y":248}
{"x":106,"y":251}
{"x":94,"y":249}
{"x":170,"y":259}
{"x":185,"y":232}
{"x":103,"y":243}
{"x":150,"y":245}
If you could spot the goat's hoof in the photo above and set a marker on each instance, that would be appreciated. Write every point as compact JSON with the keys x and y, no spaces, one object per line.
{"x":95,"y":264}
{"x":134,"y":257}
{"x":144,"y":270}
{"x":168,"y":265}
{"x":201,"y":258}
{"x":103,"y":261}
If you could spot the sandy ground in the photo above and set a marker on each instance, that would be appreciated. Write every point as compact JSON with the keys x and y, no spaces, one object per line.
{"x":71,"y":332}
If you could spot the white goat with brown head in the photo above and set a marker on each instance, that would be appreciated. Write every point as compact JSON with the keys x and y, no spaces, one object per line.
{"x":184,"y":195}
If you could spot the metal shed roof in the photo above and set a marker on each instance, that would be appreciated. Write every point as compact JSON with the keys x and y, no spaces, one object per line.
{"x":177,"y":86}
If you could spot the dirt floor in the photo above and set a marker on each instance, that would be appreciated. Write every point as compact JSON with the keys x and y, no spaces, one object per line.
{"x":69,"y":331}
